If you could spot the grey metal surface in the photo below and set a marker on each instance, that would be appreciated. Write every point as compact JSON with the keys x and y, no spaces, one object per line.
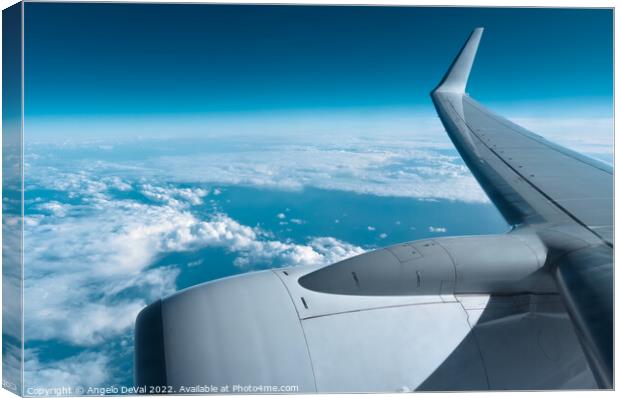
{"x":586,"y":280}
{"x":531,"y":179}
{"x":527,"y":340}
{"x":358,"y":351}
{"x":311,"y":303}
{"x":456,"y":78}
{"x":467,"y":264}
{"x":237,"y":331}
{"x":245,"y":331}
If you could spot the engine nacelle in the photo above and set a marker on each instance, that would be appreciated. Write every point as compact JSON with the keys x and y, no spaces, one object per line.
{"x":493,"y":264}
{"x":394,"y":319}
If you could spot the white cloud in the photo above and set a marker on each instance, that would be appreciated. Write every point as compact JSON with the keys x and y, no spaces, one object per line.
{"x":89,"y":264}
{"x":281,"y":216}
{"x":297,"y":221}
{"x":383,"y":235}
{"x":417,"y":162}
{"x":82,"y":370}
{"x":591,"y":135}
{"x":55,"y":208}
{"x":437,"y":229}
{"x":195,"y":263}
{"x":174,"y":196}
{"x":11,"y":362}
{"x":11,"y":274}
{"x":253,"y":246}
{"x":371,"y":228}
{"x":398,"y":152}
{"x":118,"y":183}
{"x":400,"y":168}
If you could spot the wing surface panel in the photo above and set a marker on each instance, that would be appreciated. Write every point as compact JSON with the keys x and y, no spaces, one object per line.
{"x":530,"y":179}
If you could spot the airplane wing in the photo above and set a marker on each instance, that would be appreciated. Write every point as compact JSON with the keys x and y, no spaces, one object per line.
{"x":527,"y":309}
{"x":530,"y":179}
{"x":565,"y":197}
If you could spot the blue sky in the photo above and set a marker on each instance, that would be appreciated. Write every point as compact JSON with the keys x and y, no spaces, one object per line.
{"x":168,"y":145}
{"x":105,"y":60}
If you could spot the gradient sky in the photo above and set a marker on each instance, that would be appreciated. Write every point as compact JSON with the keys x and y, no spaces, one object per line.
{"x":136,"y":60}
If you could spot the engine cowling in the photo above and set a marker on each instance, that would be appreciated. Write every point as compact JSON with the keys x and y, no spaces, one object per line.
{"x":467,"y":313}
{"x":494,"y":264}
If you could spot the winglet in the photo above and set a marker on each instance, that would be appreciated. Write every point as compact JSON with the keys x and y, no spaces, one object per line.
{"x":455,"y":79}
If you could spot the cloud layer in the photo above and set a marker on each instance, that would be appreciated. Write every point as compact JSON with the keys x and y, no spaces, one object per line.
{"x":388,"y":169}
{"x":90,"y":262}
{"x":92,"y":249}
{"x":421,"y":166}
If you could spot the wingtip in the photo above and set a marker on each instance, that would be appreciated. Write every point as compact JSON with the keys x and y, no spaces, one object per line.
{"x":457,"y":76}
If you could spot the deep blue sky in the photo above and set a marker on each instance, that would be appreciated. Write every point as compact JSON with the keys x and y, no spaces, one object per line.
{"x":135,"y":59}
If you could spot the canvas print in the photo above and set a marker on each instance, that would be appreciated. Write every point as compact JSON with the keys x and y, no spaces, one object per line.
{"x":245,"y":199}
